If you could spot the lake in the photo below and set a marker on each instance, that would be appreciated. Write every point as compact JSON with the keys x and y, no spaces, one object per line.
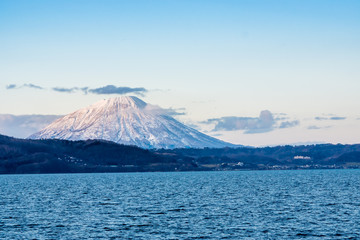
{"x":303,"y":204}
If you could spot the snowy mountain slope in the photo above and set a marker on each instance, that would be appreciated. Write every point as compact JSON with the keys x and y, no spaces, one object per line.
{"x":130,"y":121}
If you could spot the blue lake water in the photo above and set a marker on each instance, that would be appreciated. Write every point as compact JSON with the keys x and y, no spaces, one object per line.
{"x":314,"y":204}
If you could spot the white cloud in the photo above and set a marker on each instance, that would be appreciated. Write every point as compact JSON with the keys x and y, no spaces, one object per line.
{"x":266,"y":122}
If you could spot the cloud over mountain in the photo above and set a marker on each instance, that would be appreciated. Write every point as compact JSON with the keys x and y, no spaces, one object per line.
{"x":154,"y":109}
{"x":105,"y":90}
{"x":111,"y":89}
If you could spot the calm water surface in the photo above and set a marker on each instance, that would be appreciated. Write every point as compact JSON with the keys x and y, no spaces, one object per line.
{"x":318,"y":204}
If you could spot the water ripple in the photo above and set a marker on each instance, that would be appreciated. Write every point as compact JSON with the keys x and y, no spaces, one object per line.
{"x":321,"y":204}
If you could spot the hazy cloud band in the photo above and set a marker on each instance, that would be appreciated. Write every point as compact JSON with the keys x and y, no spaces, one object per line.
{"x":105,"y":90}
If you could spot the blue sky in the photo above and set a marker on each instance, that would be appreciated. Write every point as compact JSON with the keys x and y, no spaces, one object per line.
{"x":222,"y":60}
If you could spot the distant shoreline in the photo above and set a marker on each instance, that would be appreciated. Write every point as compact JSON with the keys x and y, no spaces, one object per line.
{"x":24,"y":156}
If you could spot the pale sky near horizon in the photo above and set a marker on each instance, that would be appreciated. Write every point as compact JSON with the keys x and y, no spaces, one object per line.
{"x":220,"y":62}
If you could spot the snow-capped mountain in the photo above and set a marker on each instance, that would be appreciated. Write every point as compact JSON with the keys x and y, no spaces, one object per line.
{"x":127,"y":120}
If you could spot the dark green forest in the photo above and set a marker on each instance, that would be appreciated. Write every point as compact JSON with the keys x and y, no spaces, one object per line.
{"x":19,"y":156}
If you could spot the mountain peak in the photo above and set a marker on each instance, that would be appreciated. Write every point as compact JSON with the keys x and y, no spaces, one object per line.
{"x":122,"y":102}
{"x":127,"y":120}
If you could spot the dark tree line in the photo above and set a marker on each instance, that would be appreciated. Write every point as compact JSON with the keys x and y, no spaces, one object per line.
{"x":61,"y":156}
